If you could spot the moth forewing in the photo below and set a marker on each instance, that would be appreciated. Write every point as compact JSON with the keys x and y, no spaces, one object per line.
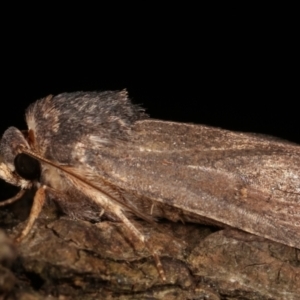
{"x":244,"y":181}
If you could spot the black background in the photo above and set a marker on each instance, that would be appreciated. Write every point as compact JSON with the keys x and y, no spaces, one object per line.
{"x":232,"y":70}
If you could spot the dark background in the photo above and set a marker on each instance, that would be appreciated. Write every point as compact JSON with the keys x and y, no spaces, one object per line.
{"x":247,"y":90}
{"x":235,"y":71}
{"x":238,"y":74}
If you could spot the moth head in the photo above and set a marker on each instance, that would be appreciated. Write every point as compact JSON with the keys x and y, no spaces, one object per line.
{"x":15,"y":167}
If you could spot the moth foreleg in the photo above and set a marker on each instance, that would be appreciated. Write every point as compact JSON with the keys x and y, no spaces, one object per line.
{"x":13,"y":199}
{"x":38,"y":202}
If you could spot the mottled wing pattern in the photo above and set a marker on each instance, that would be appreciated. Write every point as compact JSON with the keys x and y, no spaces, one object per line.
{"x":246,"y":181}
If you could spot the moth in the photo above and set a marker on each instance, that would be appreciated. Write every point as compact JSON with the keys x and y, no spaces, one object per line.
{"x":100,"y":157}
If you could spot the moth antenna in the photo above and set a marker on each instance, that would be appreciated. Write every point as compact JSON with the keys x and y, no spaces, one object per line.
{"x":38,"y":202}
{"x":68,"y":171}
{"x":13,"y":199}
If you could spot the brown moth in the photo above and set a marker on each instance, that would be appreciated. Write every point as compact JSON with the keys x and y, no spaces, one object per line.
{"x":99,"y":156}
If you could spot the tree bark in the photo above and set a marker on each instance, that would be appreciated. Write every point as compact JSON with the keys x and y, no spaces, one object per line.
{"x":72,"y":259}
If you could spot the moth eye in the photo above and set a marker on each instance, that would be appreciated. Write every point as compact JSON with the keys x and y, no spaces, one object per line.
{"x":27,"y":167}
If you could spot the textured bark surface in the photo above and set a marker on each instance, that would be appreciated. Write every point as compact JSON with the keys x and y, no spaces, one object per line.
{"x":68,"y":259}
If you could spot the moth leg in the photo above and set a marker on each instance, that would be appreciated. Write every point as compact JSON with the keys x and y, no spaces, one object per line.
{"x":38,"y":202}
{"x":142,"y":238}
{"x":152,"y":208}
{"x":102,"y":212}
{"x":107,"y":204}
{"x":13,"y":199}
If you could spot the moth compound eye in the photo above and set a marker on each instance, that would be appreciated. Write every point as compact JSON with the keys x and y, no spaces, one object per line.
{"x":27,"y":167}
